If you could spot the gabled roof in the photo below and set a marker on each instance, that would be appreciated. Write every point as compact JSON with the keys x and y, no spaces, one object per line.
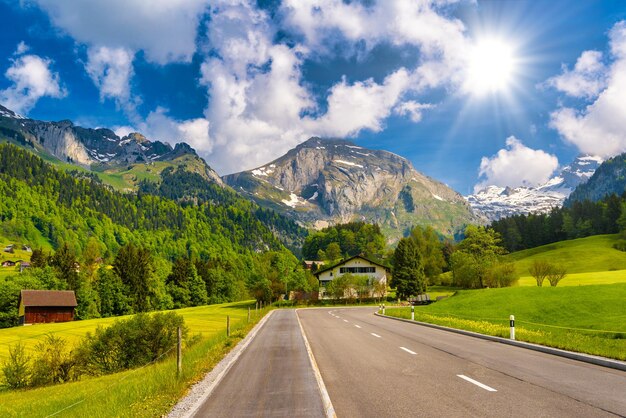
{"x":317,"y":273}
{"x":65,"y":298}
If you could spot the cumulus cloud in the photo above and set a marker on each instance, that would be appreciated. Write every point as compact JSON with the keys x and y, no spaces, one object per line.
{"x":516,"y":165}
{"x":260,"y":106}
{"x":32,"y":79}
{"x":111,"y":70}
{"x":22,"y":48}
{"x":412,"y":109}
{"x":599,"y":128}
{"x":158,"y":125}
{"x":587,"y":78}
{"x":164,"y":29}
{"x":114,"y":30}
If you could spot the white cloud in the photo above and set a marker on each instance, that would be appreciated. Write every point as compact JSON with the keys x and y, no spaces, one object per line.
{"x":21,"y":48}
{"x":599,"y":128}
{"x":32,"y":79}
{"x":158,"y":126}
{"x":412,"y":109}
{"x":358,"y":106}
{"x":516,"y":165}
{"x":164,"y":29}
{"x":587,"y":78}
{"x":114,"y":30}
{"x":260,"y":106}
{"x":111,"y":70}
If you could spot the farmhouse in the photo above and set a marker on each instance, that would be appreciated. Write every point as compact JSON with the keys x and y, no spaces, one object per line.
{"x":40,"y":306}
{"x":358,"y":266}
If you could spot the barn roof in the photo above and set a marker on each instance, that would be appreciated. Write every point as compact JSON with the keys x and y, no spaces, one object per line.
{"x":48,"y":298}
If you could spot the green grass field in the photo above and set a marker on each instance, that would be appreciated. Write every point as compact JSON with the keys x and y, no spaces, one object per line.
{"x":584,"y":255}
{"x":590,"y":319}
{"x":145,"y":392}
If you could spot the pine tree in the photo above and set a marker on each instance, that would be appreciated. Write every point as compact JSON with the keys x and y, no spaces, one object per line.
{"x":408,"y":270}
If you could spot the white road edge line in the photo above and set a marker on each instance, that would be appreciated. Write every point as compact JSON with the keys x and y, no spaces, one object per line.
{"x":480,"y":385}
{"x":328,"y":405}
{"x":358,"y":326}
{"x":408,"y":351}
{"x":376,"y":335}
{"x":206,"y":392}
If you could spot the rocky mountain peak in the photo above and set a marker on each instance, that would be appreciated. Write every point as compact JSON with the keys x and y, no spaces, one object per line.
{"x":325,"y":181}
{"x":501,"y":202}
{"x":97,"y":148}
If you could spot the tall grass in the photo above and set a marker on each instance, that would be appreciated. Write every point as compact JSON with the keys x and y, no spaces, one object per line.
{"x":145,"y":392}
{"x":588,"y":319}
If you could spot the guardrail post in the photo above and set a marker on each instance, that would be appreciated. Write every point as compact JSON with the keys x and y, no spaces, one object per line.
{"x":412,"y":313}
{"x":383,"y":308}
{"x":512,"y":324}
{"x":248,"y":314}
{"x":179,"y":353}
{"x":228,"y":325}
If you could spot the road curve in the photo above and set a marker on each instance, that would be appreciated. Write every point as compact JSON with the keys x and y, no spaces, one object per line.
{"x":273,"y":377}
{"x":377,"y":367}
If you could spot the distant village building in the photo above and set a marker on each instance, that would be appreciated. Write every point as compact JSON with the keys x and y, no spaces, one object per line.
{"x":8,"y":263}
{"x":27,"y":248}
{"x":358,"y":266}
{"x":308,"y":264}
{"x":9,"y":249}
{"x":24,"y":265}
{"x":43,"y":306}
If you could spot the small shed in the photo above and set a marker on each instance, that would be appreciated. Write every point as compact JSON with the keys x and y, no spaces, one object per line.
{"x":42,"y":306}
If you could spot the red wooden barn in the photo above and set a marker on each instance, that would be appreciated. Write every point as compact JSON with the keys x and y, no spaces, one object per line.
{"x":40,"y":306}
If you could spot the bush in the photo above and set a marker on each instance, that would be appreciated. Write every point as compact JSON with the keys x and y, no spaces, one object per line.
{"x":501,"y":275}
{"x":130,"y":343}
{"x":620,"y":245}
{"x":55,"y":363}
{"x":540,"y":269}
{"x":16,"y":368}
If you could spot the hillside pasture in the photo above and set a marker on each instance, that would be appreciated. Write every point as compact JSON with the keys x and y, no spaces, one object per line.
{"x":202,"y":319}
{"x":144,"y":392}
{"x":590,"y":319}
{"x":584,"y":255}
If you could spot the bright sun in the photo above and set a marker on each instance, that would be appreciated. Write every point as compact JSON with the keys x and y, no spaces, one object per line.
{"x":491,"y":67}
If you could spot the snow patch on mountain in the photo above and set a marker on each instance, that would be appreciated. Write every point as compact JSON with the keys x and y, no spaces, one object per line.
{"x":500,"y":202}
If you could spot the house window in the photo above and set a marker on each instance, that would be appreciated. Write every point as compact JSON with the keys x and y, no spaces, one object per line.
{"x":353,"y":270}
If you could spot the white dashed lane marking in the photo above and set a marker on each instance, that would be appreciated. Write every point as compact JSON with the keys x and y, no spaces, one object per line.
{"x":376,"y":335}
{"x":477,"y":383}
{"x":358,"y":326}
{"x":408,"y":351}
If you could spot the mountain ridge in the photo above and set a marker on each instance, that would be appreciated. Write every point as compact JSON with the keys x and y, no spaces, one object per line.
{"x":497,"y":202}
{"x":98,"y":149}
{"x":322,"y":182}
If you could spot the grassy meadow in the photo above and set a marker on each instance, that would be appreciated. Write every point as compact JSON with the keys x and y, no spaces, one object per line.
{"x":145,"y":392}
{"x":589,"y":319}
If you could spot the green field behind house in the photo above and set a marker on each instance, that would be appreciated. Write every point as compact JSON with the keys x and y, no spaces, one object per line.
{"x":585,"y":255}
{"x":590,"y":319}
{"x":145,"y":392}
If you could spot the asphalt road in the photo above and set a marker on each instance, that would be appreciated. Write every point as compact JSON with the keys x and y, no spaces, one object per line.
{"x":377,"y":367}
{"x":273,"y":377}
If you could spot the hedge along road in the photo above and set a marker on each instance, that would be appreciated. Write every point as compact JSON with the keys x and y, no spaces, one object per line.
{"x":375,"y":367}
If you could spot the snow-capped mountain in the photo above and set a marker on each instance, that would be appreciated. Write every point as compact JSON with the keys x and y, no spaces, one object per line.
{"x":500,"y":202}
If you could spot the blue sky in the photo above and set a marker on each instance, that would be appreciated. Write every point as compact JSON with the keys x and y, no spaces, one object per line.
{"x":472,"y":92}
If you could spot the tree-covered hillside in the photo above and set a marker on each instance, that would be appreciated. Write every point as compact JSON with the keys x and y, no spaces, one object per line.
{"x":191,"y":253}
{"x":190,"y":188}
